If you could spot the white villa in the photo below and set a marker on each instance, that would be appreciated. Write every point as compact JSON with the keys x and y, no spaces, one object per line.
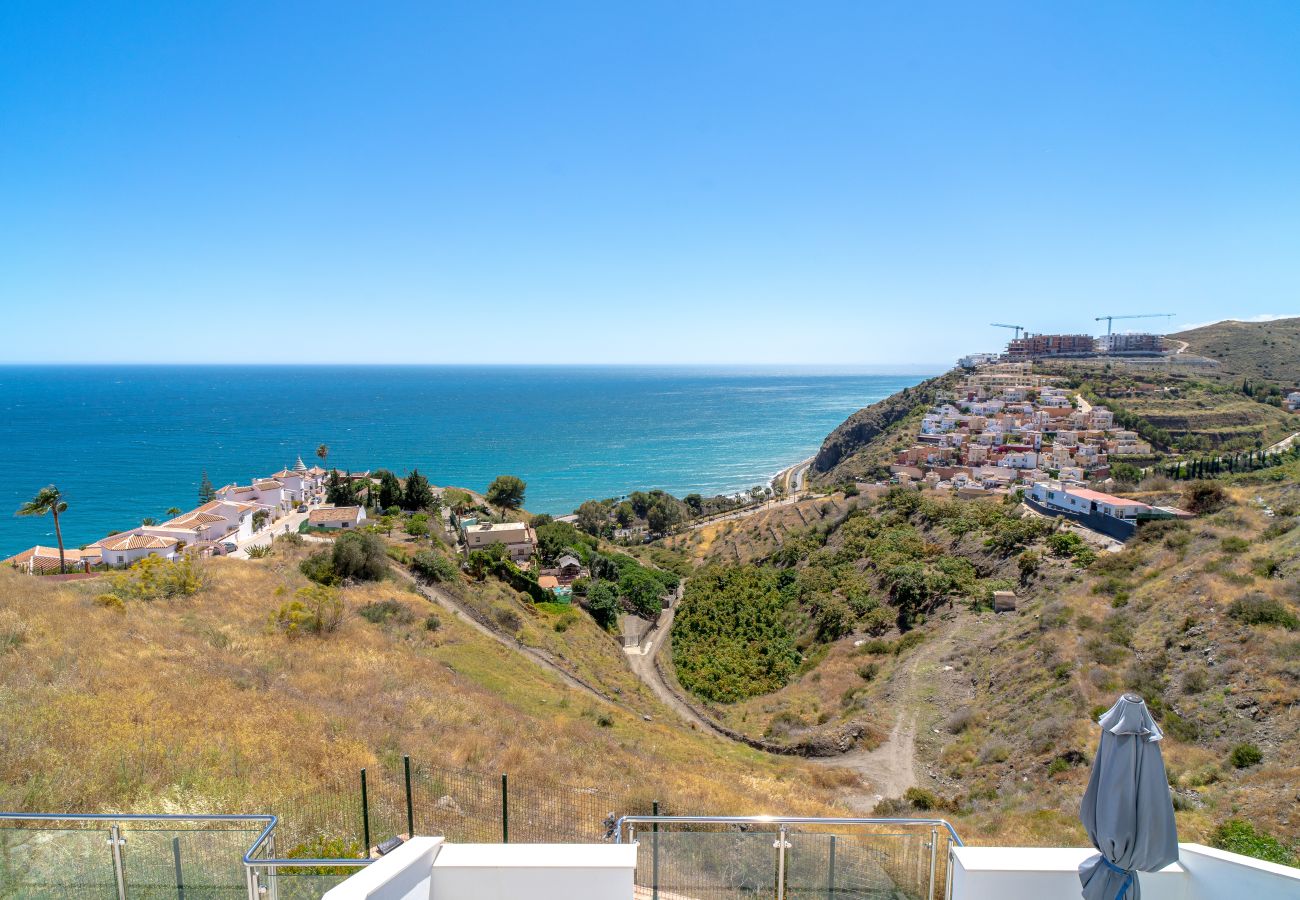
{"x":337,"y":517}
{"x":518,"y":537}
{"x":40,"y":560}
{"x":133,"y":546}
{"x":213,"y":521}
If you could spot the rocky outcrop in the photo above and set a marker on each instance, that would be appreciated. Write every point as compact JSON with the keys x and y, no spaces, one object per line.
{"x":865,"y":425}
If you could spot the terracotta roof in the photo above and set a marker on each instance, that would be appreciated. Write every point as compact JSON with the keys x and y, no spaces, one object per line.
{"x":548,"y":581}
{"x":268,"y":485}
{"x":335,"y":514}
{"x":46,"y":554}
{"x":133,"y":541}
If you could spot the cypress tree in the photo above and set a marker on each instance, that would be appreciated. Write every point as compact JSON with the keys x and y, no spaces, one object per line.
{"x":207,"y":493}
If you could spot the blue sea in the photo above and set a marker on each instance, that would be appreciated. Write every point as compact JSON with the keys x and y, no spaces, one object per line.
{"x":125,"y":443}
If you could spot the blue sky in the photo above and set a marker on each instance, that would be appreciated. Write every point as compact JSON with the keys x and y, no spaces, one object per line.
{"x":844,"y":183}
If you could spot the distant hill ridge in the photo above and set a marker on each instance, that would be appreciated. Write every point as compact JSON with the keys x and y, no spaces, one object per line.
{"x":1264,"y":351}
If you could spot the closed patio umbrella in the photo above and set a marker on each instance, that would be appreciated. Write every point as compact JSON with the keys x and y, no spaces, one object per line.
{"x":1127,"y":809}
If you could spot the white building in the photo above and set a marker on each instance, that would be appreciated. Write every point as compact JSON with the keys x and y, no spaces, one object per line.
{"x":519,"y":539}
{"x":1293,"y":401}
{"x":337,"y":517}
{"x":215,"y":520}
{"x":133,"y":546}
{"x":1082,"y":500}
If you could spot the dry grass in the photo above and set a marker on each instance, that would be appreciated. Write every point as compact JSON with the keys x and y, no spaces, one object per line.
{"x":196,"y":705}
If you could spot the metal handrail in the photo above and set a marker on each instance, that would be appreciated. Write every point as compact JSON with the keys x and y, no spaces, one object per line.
{"x":250,"y":863}
{"x":775,"y":820}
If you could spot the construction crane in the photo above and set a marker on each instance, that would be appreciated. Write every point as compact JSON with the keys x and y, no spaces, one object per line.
{"x":1110,"y":319}
{"x":1018,"y":328}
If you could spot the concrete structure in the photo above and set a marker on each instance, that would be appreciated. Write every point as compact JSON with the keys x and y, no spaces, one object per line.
{"x":1036,"y":346}
{"x":519,"y":539}
{"x":975,"y":360}
{"x":1293,"y":401}
{"x":1131,"y":343}
{"x":427,"y":867}
{"x":337,"y":517}
{"x":132,"y":546}
{"x":1201,"y":873}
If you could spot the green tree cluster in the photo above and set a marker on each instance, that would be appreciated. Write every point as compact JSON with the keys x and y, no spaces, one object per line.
{"x":732,"y":637}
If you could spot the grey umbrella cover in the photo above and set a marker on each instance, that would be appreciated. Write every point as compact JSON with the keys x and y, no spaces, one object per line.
{"x":1127,"y":809}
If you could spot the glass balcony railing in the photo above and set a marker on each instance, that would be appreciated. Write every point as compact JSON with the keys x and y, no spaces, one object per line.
{"x":792,"y":858}
{"x":142,"y":857}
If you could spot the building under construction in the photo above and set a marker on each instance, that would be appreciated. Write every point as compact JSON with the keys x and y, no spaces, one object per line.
{"x":1036,"y":346}
{"x":1131,"y":343}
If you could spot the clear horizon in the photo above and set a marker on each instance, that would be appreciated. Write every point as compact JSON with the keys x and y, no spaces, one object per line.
{"x":666,"y":185}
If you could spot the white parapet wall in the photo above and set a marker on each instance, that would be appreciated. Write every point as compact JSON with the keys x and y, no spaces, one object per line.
{"x":404,"y":874}
{"x":1201,"y":873}
{"x":427,"y":869}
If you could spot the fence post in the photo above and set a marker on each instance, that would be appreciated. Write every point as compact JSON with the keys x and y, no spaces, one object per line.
{"x":780,"y":864}
{"x":654,"y":846}
{"x":410,"y":807}
{"x":505,"y":810}
{"x":934,"y":848}
{"x":115,"y":843}
{"x":830,"y":881}
{"x":365,"y":814}
{"x":176,"y":862}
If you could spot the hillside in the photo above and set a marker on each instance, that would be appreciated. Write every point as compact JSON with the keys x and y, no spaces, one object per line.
{"x":203,"y":703}
{"x":1263,"y":351}
{"x":996,"y":709}
{"x":863,"y":445}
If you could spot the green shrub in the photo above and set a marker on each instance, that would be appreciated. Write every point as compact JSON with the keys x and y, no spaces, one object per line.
{"x":1203,"y":497}
{"x":921,"y":799}
{"x":1057,"y":765}
{"x":380,"y":612}
{"x":107,"y":601}
{"x":1238,"y":836}
{"x":359,"y":557}
{"x":868,"y":671}
{"x":432,"y":622}
{"x":1243,"y":756}
{"x":318,"y":609}
{"x":155,"y":578}
{"x":433,"y":566}
{"x":1234,"y":544}
{"x":1259,"y":609}
{"x":259,"y":551}
{"x":319,"y":567}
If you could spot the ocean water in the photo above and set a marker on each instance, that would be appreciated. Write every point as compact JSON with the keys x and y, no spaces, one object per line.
{"x":124,"y":443}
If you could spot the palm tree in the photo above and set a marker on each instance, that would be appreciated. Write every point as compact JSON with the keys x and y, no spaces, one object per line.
{"x":323,"y":451}
{"x":174,"y":511}
{"x":47,"y":500}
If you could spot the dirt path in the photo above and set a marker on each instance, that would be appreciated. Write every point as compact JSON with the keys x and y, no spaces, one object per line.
{"x":642,"y":661}
{"x":889,"y":769}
